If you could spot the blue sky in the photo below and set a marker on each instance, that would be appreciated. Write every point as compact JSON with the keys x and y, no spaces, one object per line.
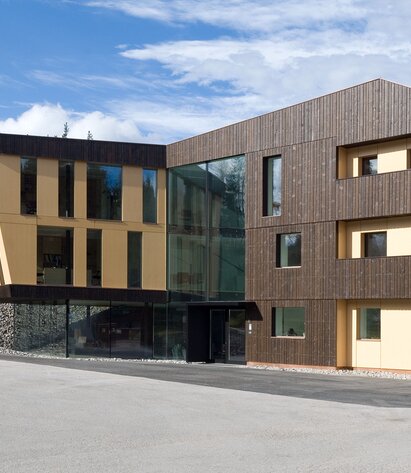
{"x":162,"y":70}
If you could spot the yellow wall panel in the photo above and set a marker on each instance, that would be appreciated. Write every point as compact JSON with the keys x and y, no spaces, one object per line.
{"x":114,"y":258}
{"x":132,"y":198}
{"x":18,"y":253}
{"x":368,"y":354}
{"x":343,"y":344}
{"x":154,"y":261}
{"x":9,"y":184}
{"x":395,"y":337}
{"x":80,"y":257}
{"x":47,"y":187}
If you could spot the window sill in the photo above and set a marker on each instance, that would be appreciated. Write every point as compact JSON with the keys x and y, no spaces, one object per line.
{"x":289,"y":337}
{"x":288,"y":267}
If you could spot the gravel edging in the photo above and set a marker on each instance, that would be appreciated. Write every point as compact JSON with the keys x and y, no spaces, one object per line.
{"x":329,"y":372}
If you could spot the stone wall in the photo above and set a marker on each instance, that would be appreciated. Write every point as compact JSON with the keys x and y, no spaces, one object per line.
{"x":7,"y":326}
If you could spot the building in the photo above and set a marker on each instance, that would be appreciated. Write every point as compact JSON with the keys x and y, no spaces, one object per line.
{"x":287,"y":239}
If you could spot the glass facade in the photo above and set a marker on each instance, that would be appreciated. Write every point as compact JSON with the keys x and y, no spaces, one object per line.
{"x":103,"y":192}
{"x":28,"y":186}
{"x":134,"y":259}
{"x":66,"y":189}
{"x":206,"y":251}
{"x":54,"y":255}
{"x":149,"y":195}
{"x":93,"y":257}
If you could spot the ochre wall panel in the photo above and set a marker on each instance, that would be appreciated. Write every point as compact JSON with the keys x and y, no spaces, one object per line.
{"x":47,"y":187}
{"x":9,"y":184}
{"x":114,"y":258}
{"x":154,"y":261}
{"x":80,"y":257}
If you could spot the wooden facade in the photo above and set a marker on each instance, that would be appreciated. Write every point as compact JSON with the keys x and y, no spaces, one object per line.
{"x":314,"y":200}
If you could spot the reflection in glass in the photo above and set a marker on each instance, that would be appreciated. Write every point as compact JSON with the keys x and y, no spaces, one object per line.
{"x":370,"y":323}
{"x":103,"y":192}
{"x":288,"y":322}
{"x":369,"y":165}
{"x":134,"y":259}
{"x":160,"y":331}
{"x":89,"y":330}
{"x":132,"y":331}
{"x":206,"y":229}
{"x":273,"y":186}
{"x":93,"y":257}
{"x":54,"y":255}
{"x":149,"y":195}
{"x":375,"y":244}
{"x":177,"y":329}
{"x":66,"y":188}
{"x":28,"y":183}
{"x":237,"y":335}
{"x":289,"y":250}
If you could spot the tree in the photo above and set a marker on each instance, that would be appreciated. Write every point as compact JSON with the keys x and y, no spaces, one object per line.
{"x":89,"y":135}
{"x":66,"y":130}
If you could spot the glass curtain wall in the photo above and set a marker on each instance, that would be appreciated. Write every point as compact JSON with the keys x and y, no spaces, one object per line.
{"x":206,"y":230}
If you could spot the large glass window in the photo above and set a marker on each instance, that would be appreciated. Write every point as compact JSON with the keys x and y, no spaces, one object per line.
{"x":206,"y":229}
{"x":94,"y":257}
{"x":272,"y":186}
{"x":134,"y":259}
{"x":66,"y":188}
{"x":289,"y":250}
{"x":149,"y":195}
{"x":375,"y":244}
{"x":103,"y":192}
{"x":370,"y":323}
{"x":288,"y":322}
{"x":28,"y":186}
{"x":54,"y":255}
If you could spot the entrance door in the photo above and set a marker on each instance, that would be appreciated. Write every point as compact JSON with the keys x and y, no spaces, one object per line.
{"x":227,"y":335}
{"x":218,"y":347}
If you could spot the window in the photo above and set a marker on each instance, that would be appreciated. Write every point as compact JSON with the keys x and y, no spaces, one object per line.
{"x":134,"y":259}
{"x":369,"y":165}
{"x":375,"y":244}
{"x":28,"y":186}
{"x":370,"y":324}
{"x":94,"y":257}
{"x":288,"y":322}
{"x":272,"y":186}
{"x":149,"y":196}
{"x":54,"y":255}
{"x":66,"y":188}
{"x":103,"y":192}
{"x":288,"y":250}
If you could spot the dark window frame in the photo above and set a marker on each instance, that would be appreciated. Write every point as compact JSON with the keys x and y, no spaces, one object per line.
{"x":279,"y":248}
{"x":268,"y":185}
{"x":366,"y":244}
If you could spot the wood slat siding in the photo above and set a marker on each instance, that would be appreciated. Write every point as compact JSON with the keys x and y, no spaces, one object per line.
{"x":307,"y":135}
{"x":109,"y":152}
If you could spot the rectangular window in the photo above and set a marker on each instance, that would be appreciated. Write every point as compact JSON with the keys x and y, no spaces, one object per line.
{"x":375,"y":244}
{"x":103,"y":192}
{"x":369,"y":165}
{"x":28,"y":186}
{"x":149,"y":195}
{"x":54,"y":255}
{"x":66,"y":188}
{"x":94,"y":257}
{"x":272,"y":186}
{"x":370,"y":323}
{"x":134,"y":259}
{"x":288,"y":250}
{"x":288,"y":322}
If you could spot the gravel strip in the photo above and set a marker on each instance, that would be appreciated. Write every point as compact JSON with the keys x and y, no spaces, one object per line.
{"x":328,"y":372}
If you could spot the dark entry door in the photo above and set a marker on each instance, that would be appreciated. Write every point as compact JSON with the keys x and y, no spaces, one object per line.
{"x":218,"y":346}
{"x":227,"y":335}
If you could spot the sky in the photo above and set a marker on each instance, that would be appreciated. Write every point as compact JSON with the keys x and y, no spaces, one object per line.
{"x":157,"y":71}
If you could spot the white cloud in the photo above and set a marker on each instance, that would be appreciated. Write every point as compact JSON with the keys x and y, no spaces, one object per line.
{"x":49,"y":119}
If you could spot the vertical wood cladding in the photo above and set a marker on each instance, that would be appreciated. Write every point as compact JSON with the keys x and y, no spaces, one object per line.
{"x":313,"y":201}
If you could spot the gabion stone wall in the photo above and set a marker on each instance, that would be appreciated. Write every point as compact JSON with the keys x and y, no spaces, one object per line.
{"x":7,"y":326}
{"x":33,"y":328}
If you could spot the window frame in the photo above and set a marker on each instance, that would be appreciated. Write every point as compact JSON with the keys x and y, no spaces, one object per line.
{"x":361,"y":312}
{"x":365,"y":244}
{"x":279,"y":249}
{"x":268,"y":185}
{"x":281,"y":312}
